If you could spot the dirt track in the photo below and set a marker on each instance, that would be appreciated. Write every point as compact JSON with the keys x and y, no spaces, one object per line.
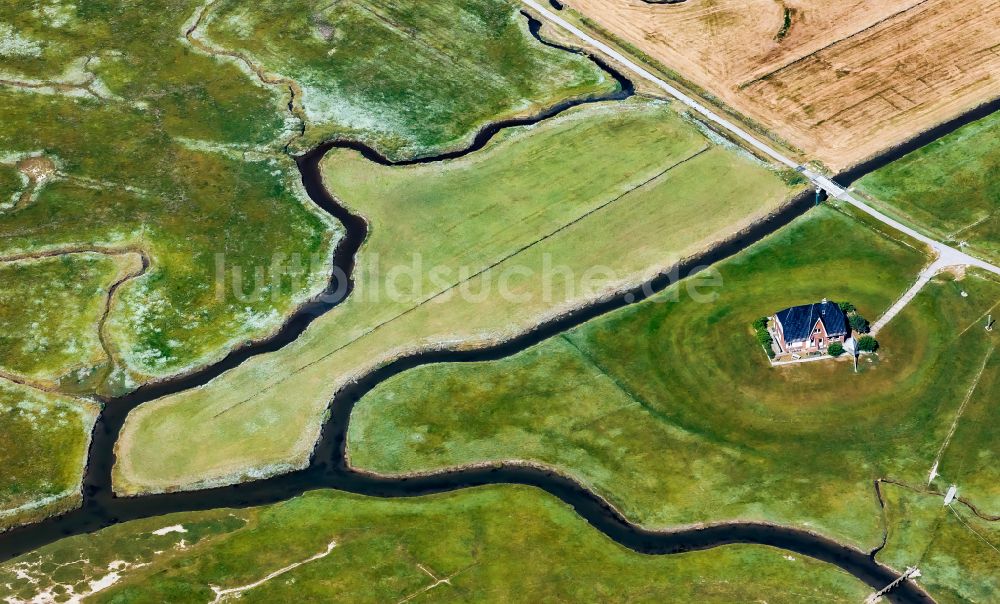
{"x":847,"y":79}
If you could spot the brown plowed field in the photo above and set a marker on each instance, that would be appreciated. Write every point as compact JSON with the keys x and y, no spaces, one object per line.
{"x":845,"y":80}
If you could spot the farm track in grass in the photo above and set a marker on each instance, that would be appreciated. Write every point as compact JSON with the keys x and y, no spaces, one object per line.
{"x":138,"y":269}
{"x":956,"y":550}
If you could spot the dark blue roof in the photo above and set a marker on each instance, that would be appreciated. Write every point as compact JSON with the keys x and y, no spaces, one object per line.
{"x":798,"y":321}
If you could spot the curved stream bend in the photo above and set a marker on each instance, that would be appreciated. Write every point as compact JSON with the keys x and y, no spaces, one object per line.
{"x":329,"y":468}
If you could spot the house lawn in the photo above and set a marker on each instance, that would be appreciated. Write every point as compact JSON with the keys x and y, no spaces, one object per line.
{"x":503,"y":543}
{"x":562,"y":194}
{"x":670,"y":409}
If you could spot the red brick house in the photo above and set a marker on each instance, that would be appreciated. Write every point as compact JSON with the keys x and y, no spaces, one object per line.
{"x":809,"y":327}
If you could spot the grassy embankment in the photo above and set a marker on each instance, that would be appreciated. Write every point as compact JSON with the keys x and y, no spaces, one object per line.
{"x":50,"y":309}
{"x":45,"y":439}
{"x":159,"y":146}
{"x":949,"y":189}
{"x":566,"y":193}
{"x":955,"y":550}
{"x":441,"y":70}
{"x":492,"y":544}
{"x":670,"y":410}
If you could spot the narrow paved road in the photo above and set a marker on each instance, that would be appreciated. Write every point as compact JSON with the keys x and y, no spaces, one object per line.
{"x":946,"y":255}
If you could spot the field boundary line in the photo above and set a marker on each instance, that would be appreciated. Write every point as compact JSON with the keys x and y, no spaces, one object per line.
{"x":874,"y":25}
{"x":965,"y":403}
{"x":980,"y":318}
{"x":971,"y":225}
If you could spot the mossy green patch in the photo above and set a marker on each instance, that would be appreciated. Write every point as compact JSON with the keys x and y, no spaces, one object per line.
{"x":669,"y":409}
{"x":502,"y":543}
{"x":43,"y":451}
{"x":182,"y":207}
{"x":50,"y":310}
{"x":408,"y":77}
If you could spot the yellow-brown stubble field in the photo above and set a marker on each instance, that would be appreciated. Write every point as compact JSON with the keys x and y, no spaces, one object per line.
{"x":845,"y":80}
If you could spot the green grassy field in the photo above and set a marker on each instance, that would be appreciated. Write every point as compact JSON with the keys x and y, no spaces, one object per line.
{"x":955,"y":550}
{"x":631,"y":187}
{"x":492,"y":544}
{"x":156,"y":144}
{"x":45,"y":438}
{"x":440,"y":70}
{"x":50,"y":310}
{"x":670,"y":410}
{"x":949,"y":189}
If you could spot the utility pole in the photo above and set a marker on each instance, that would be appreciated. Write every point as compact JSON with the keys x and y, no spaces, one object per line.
{"x":989,"y":322}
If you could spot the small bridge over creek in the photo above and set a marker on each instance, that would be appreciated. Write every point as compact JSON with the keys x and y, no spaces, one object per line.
{"x":911,"y":573}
